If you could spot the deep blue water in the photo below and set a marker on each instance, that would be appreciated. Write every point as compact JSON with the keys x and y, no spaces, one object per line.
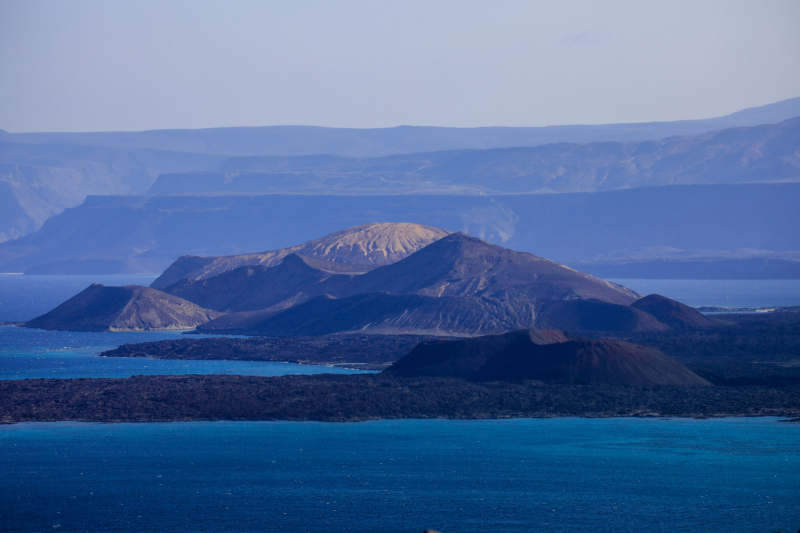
{"x":551,"y":475}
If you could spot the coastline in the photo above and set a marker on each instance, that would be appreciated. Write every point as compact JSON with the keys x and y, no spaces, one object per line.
{"x":356,"y":398}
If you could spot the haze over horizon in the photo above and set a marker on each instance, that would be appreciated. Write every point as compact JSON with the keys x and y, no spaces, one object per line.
{"x":126,"y":66}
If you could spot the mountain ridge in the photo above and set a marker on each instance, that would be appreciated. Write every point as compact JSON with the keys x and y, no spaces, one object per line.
{"x":366,"y":245}
{"x":308,"y":140}
{"x":456,"y":265}
{"x":764,"y":153}
{"x":457,"y":285}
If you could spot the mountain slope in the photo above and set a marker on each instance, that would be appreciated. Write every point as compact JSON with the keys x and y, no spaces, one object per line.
{"x":251,"y":288}
{"x":128,"y":308}
{"x":594,"y":315}
{"x":464,"y":358}
{"x":456,"y":265}
{"x":672,"y":313}
{"x":367,"y":245}
{"x":458,"y":285}
{"x":380,"y":313}
{"x":462,"y":265}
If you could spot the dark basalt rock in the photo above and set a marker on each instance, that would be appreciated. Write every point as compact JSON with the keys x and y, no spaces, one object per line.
{"x":340,"y":398}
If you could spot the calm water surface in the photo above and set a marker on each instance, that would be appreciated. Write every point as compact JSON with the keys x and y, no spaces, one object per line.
{"x":556,"y":475}
{"x":721,"y":292}
{"x":34,"y":353}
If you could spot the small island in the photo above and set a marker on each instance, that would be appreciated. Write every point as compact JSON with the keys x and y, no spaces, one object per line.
{"x":449,"y":325}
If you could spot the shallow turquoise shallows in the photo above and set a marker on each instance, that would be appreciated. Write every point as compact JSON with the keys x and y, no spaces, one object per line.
{"x":33,"y":353}
{"x":553,"y":475}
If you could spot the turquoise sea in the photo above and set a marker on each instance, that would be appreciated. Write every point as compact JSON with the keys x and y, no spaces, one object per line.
{"x":551,"y":475}
{"x":33,"y":353}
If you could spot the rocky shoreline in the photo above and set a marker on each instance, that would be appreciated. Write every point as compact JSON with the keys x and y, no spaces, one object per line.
{"x":362,"y":352}
{"x":354,"y":398}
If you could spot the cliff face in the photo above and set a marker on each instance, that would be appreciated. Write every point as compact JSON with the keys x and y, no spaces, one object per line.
{"x":549,"y":356}
{"x":364,"y":246}
{"x":128,"y":308}
{"x":147,"y":234}
{"x":38,"y":181}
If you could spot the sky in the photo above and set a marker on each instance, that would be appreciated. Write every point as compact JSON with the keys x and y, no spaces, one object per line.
{"x":124,"y":65}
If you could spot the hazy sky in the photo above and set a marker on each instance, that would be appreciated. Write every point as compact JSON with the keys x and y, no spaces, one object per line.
{"x":120,"y":65}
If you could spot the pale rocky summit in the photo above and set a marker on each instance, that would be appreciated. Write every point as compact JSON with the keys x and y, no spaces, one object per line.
{"x":128,"y":308}
{"x":370,"y":245}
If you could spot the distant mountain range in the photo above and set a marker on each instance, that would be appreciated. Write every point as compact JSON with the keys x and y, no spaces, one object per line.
{"x":41,"y":174}
{"x":38,"y":181}
{"x":378,"y":142}
{"x":765,"y":153}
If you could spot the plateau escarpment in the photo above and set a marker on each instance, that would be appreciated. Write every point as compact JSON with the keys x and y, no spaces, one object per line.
{"x":129,"y":234}
{"x":128,"y":308}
